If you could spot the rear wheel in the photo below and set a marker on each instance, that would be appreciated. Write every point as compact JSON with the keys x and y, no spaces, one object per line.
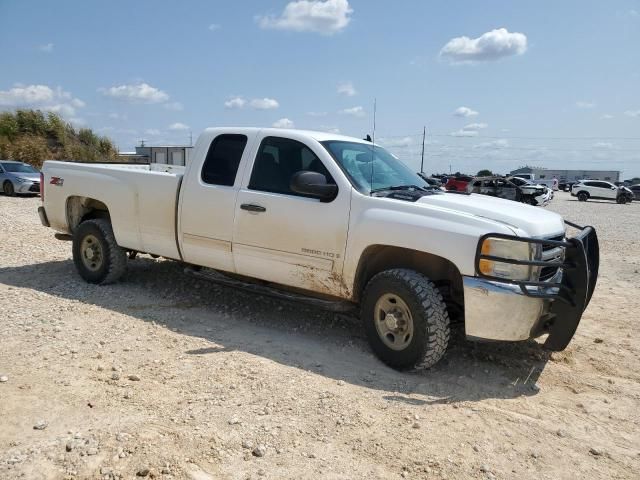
{"x":405,"y":319}
{"x":583,"y":196}
{"x":621,"y":199}
{"x":97,"y":256}
{"x":8,"y":189}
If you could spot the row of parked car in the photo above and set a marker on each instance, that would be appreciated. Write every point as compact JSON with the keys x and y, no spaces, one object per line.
{"x":510,"y":188}
{"x":527,"y":191}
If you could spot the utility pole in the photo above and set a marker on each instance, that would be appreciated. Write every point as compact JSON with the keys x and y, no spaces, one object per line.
{"x":424,"y":133}
{"x":191,"y":139}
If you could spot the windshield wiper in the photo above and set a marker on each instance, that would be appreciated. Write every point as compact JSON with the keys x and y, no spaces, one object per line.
{"x":398,"y":187}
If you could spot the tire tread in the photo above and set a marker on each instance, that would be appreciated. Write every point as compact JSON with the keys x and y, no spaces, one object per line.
{"x":434,"y":311}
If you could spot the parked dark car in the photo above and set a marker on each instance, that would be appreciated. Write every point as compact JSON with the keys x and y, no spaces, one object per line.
{"x":433,"y":182}
{"x":636,"y":191}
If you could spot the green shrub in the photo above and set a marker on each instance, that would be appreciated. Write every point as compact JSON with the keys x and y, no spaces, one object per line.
{"x":30,"y":136}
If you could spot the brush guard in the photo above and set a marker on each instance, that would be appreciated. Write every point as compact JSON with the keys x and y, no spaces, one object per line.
{"x":569,"y":291}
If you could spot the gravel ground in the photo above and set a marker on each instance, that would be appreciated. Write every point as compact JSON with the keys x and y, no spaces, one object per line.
{"x":166,"y":376}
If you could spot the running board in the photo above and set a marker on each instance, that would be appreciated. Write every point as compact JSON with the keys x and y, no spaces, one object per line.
{"x":222,"y":279}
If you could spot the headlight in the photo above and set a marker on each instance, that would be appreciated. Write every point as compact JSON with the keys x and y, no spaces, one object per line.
{"x":510,"y":250}
{"x":21,"y":180}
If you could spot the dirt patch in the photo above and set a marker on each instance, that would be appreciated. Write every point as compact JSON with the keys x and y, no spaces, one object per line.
{"x":167,"y":376}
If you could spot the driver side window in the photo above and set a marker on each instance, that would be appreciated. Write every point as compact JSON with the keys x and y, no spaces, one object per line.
{"x":278,"y":159}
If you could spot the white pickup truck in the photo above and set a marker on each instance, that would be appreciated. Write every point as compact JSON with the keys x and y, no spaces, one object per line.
{"x":336,"y":221}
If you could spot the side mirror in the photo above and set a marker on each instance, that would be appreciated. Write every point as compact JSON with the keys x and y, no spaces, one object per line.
{"x":313,"y":184}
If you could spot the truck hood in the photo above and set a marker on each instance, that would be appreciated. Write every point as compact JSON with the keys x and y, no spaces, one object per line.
{"x":525,"y":220}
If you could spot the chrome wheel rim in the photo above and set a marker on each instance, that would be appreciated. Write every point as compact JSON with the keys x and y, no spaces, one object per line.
{"x":91,"y":253}
{"x":394,"y":322}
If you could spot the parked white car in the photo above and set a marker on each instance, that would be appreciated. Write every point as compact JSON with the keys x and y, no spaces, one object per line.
{"x":338,"y":222}
{"x":600,"y":189}
{"x":551,"y":184}
{"x":18,"y":178}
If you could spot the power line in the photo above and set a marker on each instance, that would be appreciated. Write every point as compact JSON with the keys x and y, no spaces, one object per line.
{"x":506,"y":137}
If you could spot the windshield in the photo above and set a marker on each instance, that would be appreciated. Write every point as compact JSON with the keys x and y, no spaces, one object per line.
{"x":383,"y":172}
{"x":18,"y":168}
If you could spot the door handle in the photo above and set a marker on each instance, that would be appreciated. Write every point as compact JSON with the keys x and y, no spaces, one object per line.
{"x":250,"y":207}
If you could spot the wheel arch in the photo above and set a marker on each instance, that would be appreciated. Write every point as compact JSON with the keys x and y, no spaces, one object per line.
{"x":442,"y":272}
{"x":79,"y":209}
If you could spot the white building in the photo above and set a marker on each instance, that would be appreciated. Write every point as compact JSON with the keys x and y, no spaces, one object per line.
{"x":569,"y":175}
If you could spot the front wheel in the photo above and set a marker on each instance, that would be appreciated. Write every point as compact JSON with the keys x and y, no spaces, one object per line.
{"x":405,"y":319}
{"x":97,"y":256}
{"x":9,"y":189}
{"x":621,"y":200}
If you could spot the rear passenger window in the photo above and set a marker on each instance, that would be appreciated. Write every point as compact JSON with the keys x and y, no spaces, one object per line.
{"x":277,"y":160}
{"x":221,"y":165}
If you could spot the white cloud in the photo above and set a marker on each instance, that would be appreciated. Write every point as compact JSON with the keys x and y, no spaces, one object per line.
{"x":500,"y":143}
{"x":489,"y":46}
{"x":77,"y":122}
{"x":464,"y":133}
{"x":46,"y":48}
{"x":465,"y":112}
{"x":154,"y":132}
{"x":326,"y":17}
{"x":283,"y":123}
{"x":584,"y":104}
{"x":264,"y":103}
{"x":353,"y":111}
{"x":235,"y":102}
{"x":606,"y":116}
{"x":346,"y":88}
{"x":317,"y":114}
{"x":401,"y":142}
{"x":178,"y":126}
{"x":634,"y":13}
{"x":329,"y":129}
{"x":213,"y":27}
{"x":632,"y":113}
{"x":41,"y":97}
{"x":136,"y":93}
{"x":605,"y":145}
{"x":475,"y":126}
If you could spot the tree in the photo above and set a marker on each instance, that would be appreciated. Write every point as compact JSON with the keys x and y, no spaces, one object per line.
{"x":485,"y":173}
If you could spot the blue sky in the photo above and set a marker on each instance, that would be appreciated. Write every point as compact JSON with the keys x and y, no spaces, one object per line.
{"x":498,"y":84}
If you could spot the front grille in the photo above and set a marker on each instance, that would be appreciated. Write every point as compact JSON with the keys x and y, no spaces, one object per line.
{"x":551,"y":253}
{"x":35,"y":187}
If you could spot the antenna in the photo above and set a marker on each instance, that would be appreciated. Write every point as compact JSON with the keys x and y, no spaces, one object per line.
{"x":373,"y":146}
{"x":424,"y":133}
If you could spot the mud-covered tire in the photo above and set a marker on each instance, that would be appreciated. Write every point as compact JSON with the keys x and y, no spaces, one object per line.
{"x":112,"y":262}
{"x":8,"y":189}
{"x":428,"y":312}
{"x":583,"y":196}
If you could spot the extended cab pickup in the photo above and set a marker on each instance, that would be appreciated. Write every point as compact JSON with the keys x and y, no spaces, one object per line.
{"x":341,"y":221}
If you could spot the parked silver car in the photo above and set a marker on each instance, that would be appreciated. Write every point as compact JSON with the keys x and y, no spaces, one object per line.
{"x":18,"y":178}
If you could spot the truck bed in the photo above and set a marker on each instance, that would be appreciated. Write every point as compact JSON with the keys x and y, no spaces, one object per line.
{"x":141,"y":200}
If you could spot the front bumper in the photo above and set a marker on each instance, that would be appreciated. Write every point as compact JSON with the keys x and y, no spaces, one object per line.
{"x":26,"y":187}
{"x":499,"y":309}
